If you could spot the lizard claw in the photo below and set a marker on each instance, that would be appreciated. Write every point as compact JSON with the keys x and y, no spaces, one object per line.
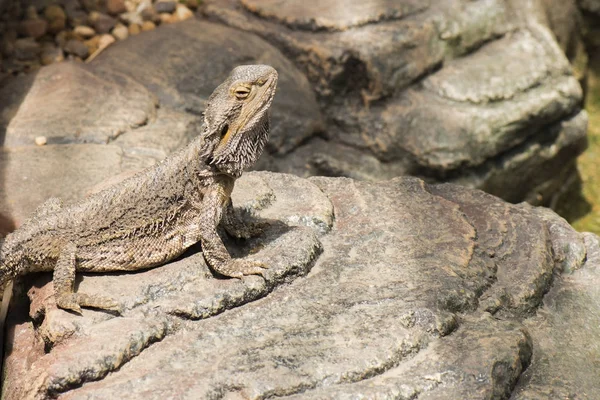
{"x":238,"y":268}
{"x":68,"y":302}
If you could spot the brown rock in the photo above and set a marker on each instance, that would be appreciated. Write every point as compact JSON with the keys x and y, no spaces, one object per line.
{"x":192,"y":4}
{"x":130,"y":5}
{"x":120,"y":32}
{"x":7,"y":44}
{"x":131,"y":18}
{"x":76,"y":17}
{"x":106,"y":40}
{"x":76,"y":48}
{"x":31,"y":12}
{"x":33,"y":28}
{"x":84,"y":32}
{"x":149,"y":13}
{"x":148,"y":26}
{"x":56,"y":18}
{"x":183,"y":13}
{"x":102,"y":23}
{"x":93,"y":44}
{"x":134,"y":29}
{"x":51,"y":54}
{"x":27,"y":49}
{"x":62,"y":37}
{"x":165,"y":6}
{"x":115,"y":7}
{"x":166,"y":18}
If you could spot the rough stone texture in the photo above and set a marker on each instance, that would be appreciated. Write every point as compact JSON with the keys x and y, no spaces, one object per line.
{"x":421,"y":291}
{"x":441,"y":89}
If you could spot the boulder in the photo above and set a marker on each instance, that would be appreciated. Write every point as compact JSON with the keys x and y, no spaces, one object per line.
{"x":444,"y":90}
{"x":435,"y":291}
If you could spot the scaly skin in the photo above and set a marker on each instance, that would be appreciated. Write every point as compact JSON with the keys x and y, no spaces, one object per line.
{"x":158,"y":213}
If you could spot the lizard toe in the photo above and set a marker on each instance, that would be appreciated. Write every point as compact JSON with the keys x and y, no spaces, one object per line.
{"x":101,"y":302}
{"x":238,"y":268}
{"x":68,"y":302}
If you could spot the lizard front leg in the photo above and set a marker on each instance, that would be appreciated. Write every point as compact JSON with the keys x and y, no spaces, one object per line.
{"x":212,"y":208}
{"x":64,"y":281}
{"x":237,"y":228}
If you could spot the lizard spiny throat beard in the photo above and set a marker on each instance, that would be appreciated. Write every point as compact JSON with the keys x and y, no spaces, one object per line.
{"x":242,"y":142}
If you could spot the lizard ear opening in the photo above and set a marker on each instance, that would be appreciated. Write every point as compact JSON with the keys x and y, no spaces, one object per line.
{"x":224,"y":131}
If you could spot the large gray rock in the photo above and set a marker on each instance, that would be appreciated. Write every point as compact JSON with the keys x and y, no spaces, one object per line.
{"x":446,"y":90}
{"x":428,"y":291}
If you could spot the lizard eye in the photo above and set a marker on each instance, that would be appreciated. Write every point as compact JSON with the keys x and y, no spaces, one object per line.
{"x":241,"y":92}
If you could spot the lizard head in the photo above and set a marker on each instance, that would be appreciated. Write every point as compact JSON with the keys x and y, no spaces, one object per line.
{"x":236,"y":120}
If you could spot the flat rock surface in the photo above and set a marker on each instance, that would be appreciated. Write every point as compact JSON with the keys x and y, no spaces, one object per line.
{"x":66,"y":103}
{"x":396,"y":289}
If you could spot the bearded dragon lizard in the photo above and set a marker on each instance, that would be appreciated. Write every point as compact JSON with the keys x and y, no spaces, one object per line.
{"x":155,"y":215}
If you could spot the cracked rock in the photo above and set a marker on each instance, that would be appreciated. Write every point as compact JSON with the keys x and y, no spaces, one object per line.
{"x":393,"y":289}
{"x":445,"y":90}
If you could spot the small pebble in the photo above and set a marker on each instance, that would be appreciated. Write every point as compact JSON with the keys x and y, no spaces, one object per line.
{"x":148,"y":13}
{"x":34,"y":28}
{"x":77,"y":17}
{"x":192,"y":4}
{"x":115,"y":7}
{"x":84,"y":31}
{"x":131,"y":18}
{"x":41,"y":140}
{"x":102,"y":23}
{"x":130,"y":6}
{"x":166,"y":18}
{"x":165,"y":7}
{"x":183,"y":12}
{"x":105,"y":41}
{"x":27,"y":49}
{"x":93,"y":44}
{"x":120,"y":32}
{"x":31,"y":13}
{"x":148,"y":26}
{"x":56,"y":18}
{"x":134,"y":29}
{"x":76,"y":48}
{"x":62,"y":37}
{"x":51,"y":54}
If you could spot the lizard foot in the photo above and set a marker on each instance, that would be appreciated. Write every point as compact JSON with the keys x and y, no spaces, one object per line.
{"x":238,"y":268}
{"x":74,"y":302}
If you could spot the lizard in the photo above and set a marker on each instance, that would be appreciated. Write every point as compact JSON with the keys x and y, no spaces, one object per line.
{"x":155,"y":215}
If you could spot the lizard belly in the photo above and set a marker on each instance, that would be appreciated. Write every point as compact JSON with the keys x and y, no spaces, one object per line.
{"x":137,"y":253}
